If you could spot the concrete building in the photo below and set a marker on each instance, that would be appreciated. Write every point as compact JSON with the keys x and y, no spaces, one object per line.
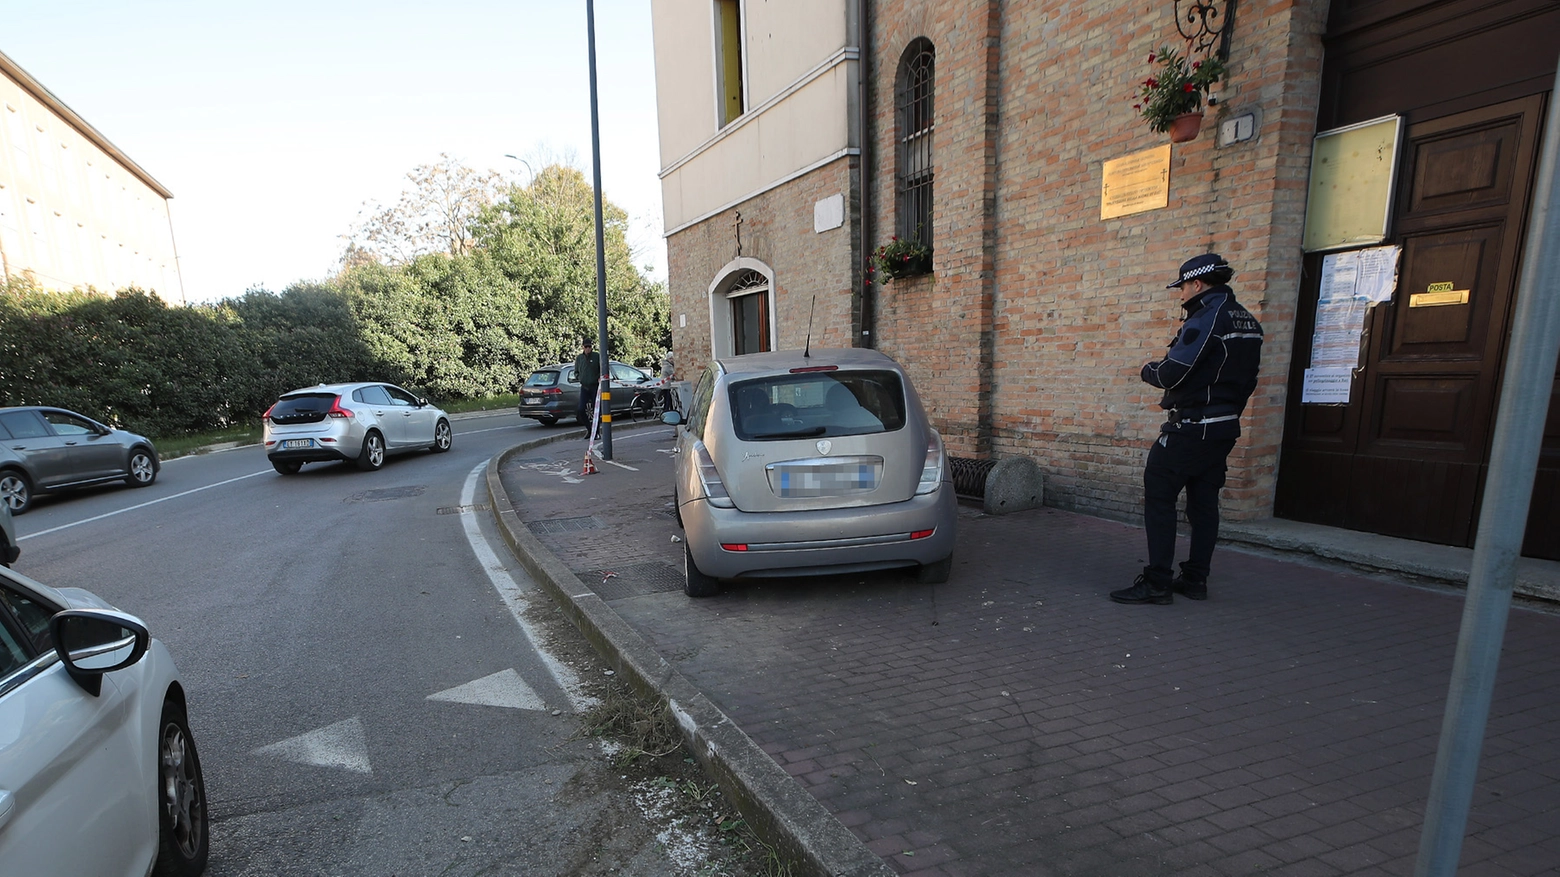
{"x":798,"y":137}
{"x":75,"y":211}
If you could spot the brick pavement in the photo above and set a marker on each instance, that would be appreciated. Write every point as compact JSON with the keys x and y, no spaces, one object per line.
{"x":1014,"y":721}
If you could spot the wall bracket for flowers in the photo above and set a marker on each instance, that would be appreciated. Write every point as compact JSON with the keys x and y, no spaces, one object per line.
{"x":1204,"y":22}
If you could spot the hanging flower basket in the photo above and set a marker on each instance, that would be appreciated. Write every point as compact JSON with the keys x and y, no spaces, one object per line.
{"x":1186,"y":127}
{"x":1177,"y":89}
{"x":898,"y":259}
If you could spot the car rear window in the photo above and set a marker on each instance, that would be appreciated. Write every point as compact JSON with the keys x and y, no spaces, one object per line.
{"x":792,"y":406}
{"x":542,"y":379}
{"x":302,"y":408}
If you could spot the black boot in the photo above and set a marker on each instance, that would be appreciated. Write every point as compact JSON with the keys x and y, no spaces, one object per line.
{"x":1150,"y":587}
{"x":1190,"y":586}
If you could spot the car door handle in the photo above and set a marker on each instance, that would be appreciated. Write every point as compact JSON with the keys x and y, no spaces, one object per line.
{"x":7,"y":807}
{"x":71,"y":444}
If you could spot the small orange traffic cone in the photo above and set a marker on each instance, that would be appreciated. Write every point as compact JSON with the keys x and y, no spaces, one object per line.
{"x":590,"y":465}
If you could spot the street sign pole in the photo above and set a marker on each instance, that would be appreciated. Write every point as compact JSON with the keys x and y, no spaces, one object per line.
{"x":605,"y":391}
{"x":1508,"y":490}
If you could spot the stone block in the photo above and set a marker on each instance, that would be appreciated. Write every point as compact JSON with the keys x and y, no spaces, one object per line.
{"x":1014,"y":484}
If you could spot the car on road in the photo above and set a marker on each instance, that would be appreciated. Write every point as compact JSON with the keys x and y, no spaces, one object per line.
{"x":794,"y":463}
{"x":99,"y":774}
{"x":9,"y":550}
{"x":552,"y":393}
{"x":361,"y":423}
{"x":45,"y":449}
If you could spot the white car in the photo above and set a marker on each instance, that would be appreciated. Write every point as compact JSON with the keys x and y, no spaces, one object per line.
{"x":98,"y":771}
{"x":361,"y":423}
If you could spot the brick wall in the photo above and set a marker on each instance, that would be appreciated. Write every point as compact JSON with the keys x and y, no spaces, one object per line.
{"x":1070,"y":306}
{"x":777,"y":229}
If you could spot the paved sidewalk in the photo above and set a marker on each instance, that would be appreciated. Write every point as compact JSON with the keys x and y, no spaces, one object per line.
{"x":1015,"y":722}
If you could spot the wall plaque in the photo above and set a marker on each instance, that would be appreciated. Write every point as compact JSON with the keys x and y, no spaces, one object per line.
{"x":1135,"y":183}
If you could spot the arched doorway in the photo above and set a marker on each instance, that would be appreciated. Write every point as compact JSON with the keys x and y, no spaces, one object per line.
{"x":742,"y":308}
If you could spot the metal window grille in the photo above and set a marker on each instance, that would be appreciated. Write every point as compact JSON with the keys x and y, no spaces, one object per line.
{"x":916,"y":169}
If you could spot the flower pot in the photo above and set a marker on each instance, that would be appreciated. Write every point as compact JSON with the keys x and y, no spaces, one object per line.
{"x":1185,"y":126}
{"x":911,"y":265}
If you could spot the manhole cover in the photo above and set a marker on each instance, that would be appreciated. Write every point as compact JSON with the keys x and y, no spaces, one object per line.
{"x":553,"y":526}
{"x":633,"y":580}
{"x":386,"y":493}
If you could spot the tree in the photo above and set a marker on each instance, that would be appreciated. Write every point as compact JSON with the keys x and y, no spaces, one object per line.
{"x":434,"y":215}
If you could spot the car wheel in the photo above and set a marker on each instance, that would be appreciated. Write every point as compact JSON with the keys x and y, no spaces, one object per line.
{"x":373,"y":454}
{"x":547,"y":421}
{"x":286,"y":467}
{"x":935,"y":573}
{"x":696,"y":583}
{"x":183,"y":843}
{"x":16,"y":491}
{"x":443,"y":437}
{"x":142,"y":470}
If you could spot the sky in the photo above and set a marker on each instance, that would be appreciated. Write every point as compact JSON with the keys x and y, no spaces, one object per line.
{"x":273,"y":123}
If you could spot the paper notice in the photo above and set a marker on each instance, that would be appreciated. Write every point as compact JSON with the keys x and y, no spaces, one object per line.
{"x":1326,"y":386}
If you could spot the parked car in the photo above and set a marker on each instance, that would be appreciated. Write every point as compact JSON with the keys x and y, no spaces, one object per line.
{"x":43,"y":450}
{"x":792,"y":464}
{"x":96,"y":778}
{"x":361,"y":423}
{"x":9,"y":550}
{"x":552,"y":392}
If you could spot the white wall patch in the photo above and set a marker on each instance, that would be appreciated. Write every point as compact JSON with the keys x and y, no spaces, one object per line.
{"x":829,"y":213}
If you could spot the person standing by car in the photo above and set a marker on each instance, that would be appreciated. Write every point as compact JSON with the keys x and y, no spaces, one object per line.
{"x":1208,"y":374}
{"x":587,"y":370}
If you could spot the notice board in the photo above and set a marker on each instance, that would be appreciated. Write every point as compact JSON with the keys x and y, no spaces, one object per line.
{"x":1353,"y":172}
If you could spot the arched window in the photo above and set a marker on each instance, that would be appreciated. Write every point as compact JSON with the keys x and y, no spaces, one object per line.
{"x":742,"y":309}
{"x":913,"y":179}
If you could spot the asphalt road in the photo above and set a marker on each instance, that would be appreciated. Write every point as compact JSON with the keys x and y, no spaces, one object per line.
{"x":361,"y":657}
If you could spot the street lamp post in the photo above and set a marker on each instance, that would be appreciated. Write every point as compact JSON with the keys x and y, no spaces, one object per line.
{"x":605,"y":392}
{"x":529,"y":174}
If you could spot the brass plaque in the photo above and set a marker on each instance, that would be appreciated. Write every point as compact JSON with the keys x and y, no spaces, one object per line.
{"x":1446,"y":286}
{"x":1135,"y":183}
{"x":1438,"y":297}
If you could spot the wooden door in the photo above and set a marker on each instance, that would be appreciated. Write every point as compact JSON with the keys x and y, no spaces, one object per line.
{"x":1407,"y":456}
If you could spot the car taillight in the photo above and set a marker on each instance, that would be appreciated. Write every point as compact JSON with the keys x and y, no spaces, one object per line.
{"x":932,"y":470}
{"x":921,"y":534}
{"x":734,"y":546}
{"x":337,"y":411}
{"x":714,"y":488}
{"x":552,"y":391}
{"x":267,"y":414}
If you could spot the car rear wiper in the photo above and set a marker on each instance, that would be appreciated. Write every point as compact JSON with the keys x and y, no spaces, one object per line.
{"x":795,"y":433}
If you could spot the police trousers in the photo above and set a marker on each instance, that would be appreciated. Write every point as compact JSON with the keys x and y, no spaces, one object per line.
{"x":1195,"y":465}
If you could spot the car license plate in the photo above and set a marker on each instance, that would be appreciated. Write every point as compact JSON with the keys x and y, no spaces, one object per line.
{"x":298,"y":443}
{"x":533,"y":400}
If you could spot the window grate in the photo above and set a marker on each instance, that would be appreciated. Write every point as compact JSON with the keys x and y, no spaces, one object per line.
{"x":916,"y":171}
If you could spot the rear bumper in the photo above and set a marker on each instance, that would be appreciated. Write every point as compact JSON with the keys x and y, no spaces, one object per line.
{"x":823,"y":541}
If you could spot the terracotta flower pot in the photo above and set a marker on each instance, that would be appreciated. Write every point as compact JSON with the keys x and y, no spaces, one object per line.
{"x":1185,"y":126}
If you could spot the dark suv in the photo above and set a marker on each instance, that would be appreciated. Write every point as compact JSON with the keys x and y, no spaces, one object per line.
{"x":552,"y":392}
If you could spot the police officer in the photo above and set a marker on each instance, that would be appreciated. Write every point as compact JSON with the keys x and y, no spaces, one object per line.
{"x":1208,"y":374}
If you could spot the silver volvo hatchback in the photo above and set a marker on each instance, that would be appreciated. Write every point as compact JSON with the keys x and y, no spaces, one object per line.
{"x":798,"y":464}
{"x":360,"y":423}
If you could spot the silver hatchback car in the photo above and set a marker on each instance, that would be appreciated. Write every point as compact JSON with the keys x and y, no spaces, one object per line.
{"x":362,"y":423}
{"x":793,"y":464}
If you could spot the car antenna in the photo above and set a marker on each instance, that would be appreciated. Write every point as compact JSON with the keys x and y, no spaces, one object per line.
{"x":808,"y":346}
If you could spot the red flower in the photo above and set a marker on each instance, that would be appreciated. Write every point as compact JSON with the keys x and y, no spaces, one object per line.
{"x":1151,"y":82}
{"x":1151,"y":57}
{"x":1188,"y":87}
{"x":1196,"y":64}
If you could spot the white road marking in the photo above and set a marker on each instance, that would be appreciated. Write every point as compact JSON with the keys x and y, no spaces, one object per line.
{"x":140,"y":506}
{"x":342,"y":745}
{"x":504,"y":688}
{"x":509,"y":592}
{"x":489,"y":429}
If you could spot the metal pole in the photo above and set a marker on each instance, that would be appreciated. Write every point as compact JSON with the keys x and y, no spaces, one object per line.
{"x":1508,"y":490}
{"x":605,"y":391}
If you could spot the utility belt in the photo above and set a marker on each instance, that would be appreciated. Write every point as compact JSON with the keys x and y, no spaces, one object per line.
{"x":1176,"y":417}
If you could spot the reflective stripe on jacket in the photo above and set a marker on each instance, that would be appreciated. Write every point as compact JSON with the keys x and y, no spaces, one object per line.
{"x":1211,"y":368}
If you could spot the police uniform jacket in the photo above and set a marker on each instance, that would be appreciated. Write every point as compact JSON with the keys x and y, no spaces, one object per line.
{"x":1211,"y":368}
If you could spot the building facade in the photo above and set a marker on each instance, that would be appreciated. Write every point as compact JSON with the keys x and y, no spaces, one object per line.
{"x":75,"y":211}
{"x":989,"y":131}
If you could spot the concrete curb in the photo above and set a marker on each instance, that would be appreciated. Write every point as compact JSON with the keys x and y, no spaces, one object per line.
{"x":787,"y":818}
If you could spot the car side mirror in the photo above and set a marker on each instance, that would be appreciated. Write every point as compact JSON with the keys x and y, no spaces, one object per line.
{"x":91,"y":642}
{"x":421,"y":402}
{"x":671,"y":418}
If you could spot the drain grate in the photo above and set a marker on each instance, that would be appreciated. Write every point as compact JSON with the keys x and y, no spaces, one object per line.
{"x":455,"y":510}
{"x":386,"y":493}
{"x":633,"y":580}
{"x":554,"y":526}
